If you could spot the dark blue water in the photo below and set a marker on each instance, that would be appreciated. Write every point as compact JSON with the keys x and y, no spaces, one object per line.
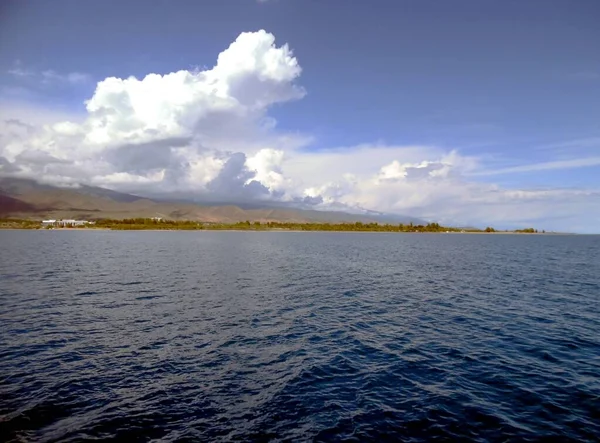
{"x":221,"y":336}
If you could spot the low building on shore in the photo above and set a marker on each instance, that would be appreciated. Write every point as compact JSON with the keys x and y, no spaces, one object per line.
{"x":65,"y":223}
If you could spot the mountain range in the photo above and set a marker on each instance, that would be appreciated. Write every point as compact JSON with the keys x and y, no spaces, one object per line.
{"x":28,"y":199}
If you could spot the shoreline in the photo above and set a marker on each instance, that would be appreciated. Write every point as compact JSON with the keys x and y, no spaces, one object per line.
{"x":292,"y":230}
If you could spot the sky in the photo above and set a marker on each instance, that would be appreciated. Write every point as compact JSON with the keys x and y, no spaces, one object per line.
{"x":465,"y":112}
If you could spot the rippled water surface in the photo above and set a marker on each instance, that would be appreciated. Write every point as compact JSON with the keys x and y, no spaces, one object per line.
{"x":220,"y":336}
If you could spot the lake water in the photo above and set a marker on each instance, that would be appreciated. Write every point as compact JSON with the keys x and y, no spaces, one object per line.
{"x":254,"y":336}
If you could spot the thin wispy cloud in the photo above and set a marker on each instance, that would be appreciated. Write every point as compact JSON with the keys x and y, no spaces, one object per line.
{"x":19,"y":72}
{"x":71,"y":77}
{"x":545,"y":166}
{"x":570,"y":145}
{"x":47,"y":76}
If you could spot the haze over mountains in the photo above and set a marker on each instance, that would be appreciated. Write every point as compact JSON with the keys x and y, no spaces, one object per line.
{"x":23,"y":198}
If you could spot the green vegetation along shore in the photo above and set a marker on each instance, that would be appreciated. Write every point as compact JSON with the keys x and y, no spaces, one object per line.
{"x":138,"y":224}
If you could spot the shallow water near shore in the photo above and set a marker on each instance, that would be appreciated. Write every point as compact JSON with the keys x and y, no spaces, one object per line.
{"x":254,"y":336}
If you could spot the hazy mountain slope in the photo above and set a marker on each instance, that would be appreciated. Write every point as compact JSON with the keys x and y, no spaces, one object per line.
{"x":28,"y":199}
{"x":113,"y":195}
{"x":10,"y":205}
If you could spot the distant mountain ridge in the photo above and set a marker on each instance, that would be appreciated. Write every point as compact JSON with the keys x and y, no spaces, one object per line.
{"x":23,"y":198}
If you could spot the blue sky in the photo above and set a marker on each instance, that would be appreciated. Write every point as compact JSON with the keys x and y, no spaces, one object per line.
{"x":512,"y":88}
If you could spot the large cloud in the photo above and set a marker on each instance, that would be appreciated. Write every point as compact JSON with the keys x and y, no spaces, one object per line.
{"x":176,"y":129}
{"x":207,"y":134}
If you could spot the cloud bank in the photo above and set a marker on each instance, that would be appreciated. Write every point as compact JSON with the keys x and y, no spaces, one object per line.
{"x":207,"y":135}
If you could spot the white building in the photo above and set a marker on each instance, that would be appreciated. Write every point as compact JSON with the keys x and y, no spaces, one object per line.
{"x":67,"y":222}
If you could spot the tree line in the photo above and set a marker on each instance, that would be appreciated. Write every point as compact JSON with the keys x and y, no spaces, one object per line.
{"x":189,"y":225}
{"x":146,"y":223}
